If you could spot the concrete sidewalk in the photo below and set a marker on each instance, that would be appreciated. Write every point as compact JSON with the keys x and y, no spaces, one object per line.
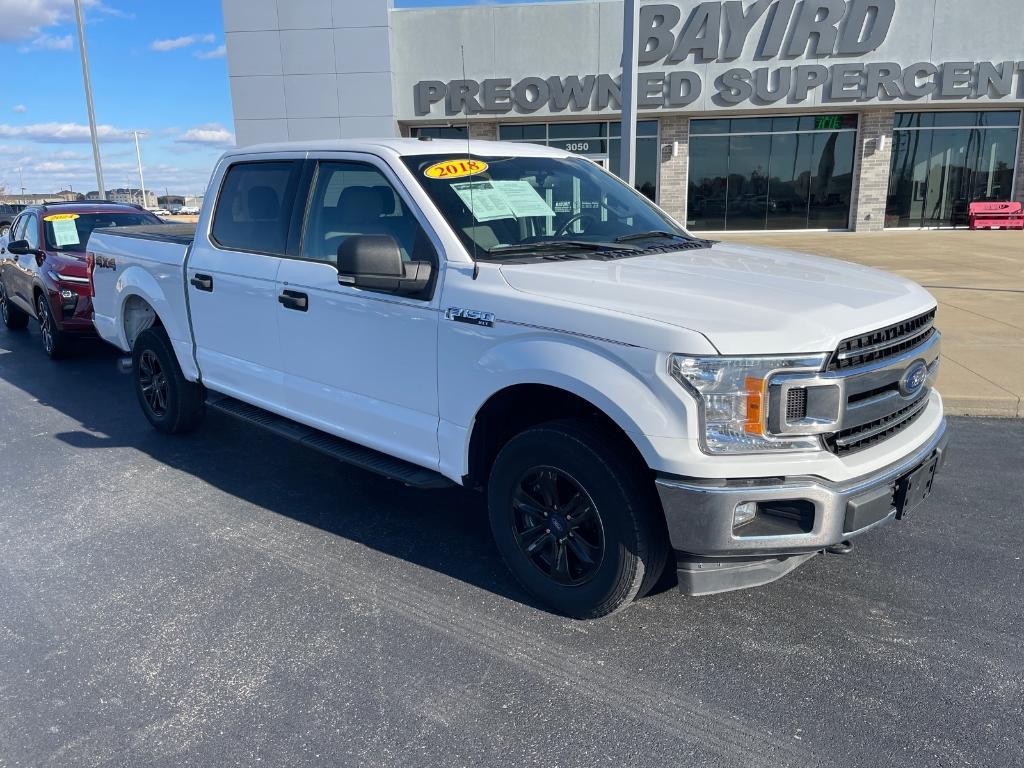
{"x":978,"y":279}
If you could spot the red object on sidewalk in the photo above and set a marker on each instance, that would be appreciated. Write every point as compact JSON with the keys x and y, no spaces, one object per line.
{"x":997,"y":216}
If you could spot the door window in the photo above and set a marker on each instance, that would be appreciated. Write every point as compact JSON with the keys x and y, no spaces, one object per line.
{"x":254,"y":208}
{"x":356,"y":199}
{"x":31,"y":233}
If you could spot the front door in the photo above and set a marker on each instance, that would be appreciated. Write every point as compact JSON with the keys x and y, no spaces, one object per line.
{"x":232,"y":281}
{"x":22,"y":275}
{"x":358,"y":363}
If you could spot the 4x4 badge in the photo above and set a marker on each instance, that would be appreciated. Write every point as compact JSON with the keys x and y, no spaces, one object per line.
{"x":471,"y":316}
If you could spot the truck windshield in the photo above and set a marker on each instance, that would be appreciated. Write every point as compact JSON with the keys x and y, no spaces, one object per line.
{"x":69,"y":232}
{"x":511,"y":206}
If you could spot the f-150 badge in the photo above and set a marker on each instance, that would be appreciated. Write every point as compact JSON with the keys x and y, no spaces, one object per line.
{"x":471,"y":316}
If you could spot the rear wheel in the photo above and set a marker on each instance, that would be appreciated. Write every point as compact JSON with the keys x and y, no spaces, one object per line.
{"x":55,"y":341}
{"x":576,"y":519}
{"x":14,"y":318}
{"x":170,"y":402}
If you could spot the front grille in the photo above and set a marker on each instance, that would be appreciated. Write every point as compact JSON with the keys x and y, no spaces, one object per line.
{"x":796,"y":405}
{"x":866,"y":435}
{"x":884,"y":343}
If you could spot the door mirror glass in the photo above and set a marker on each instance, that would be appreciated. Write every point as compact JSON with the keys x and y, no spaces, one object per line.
{"x":375,"y":262}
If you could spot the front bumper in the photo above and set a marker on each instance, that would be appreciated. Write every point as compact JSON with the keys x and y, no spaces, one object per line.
{"x":797,"y":517}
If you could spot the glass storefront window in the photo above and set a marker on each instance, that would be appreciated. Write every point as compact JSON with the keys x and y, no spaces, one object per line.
{"x":771,"y":172}
{"x":597,"y":140}
{"x":440,"y":132}
{"x":944,"y":161}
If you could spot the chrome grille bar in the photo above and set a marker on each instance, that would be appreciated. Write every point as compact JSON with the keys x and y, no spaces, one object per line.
{"x":873,"y":348}
{"x":883,"y":343}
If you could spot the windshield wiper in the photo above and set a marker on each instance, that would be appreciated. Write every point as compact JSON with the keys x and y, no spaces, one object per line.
{"x":547,"y":246}
{"x":652,"y":235}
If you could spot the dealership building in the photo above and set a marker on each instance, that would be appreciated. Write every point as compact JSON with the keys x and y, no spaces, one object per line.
{"x":753,"y":114}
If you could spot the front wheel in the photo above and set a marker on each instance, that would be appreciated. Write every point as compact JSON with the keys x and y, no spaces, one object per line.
{"x":576,"y":518}
{"x":172,"y":403}
{"x":55,"y":341}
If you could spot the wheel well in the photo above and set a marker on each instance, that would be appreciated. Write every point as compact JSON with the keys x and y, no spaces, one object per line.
{"x":138,"y":316}
{"x":517,"y":408}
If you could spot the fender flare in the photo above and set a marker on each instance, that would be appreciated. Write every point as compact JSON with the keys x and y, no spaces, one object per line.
{"x":641,"y":407}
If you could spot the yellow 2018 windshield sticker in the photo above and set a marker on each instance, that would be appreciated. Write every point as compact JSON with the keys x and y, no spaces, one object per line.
{"x":455,"y":169}
{"x":61,"y":217}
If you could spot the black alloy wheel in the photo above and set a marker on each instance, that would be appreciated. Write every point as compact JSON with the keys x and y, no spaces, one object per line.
{"x":45,"y":323}
{"x":153,"y":383}
{"x":576,"y":518}
{"x":558,"y":526}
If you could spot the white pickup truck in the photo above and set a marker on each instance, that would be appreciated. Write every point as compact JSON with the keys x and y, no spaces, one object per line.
{"x":516,"y":319}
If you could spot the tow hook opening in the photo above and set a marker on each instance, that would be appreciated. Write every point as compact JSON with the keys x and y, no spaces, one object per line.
{"x":786,"y":517}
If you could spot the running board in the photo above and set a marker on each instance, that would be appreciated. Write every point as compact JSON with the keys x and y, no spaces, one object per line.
{"x":335,"y":447}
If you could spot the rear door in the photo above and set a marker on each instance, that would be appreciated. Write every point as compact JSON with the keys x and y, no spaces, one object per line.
{"x":231,"y":278}
{"x":358,"y":363}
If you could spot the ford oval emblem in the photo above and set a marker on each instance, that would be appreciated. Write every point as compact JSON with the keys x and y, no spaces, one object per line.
{"x":914,"y":378}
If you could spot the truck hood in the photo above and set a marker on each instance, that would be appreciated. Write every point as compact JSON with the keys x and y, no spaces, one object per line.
{"x":744,"y":299}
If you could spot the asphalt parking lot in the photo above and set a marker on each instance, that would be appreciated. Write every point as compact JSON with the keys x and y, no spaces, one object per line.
{"x":229,"y":599}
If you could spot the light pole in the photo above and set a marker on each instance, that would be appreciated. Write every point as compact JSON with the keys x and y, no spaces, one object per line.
{"x":138,"y":155}
{"x":21,"y":181}
{"x":630,"y":55}
{"x":88,"y":101}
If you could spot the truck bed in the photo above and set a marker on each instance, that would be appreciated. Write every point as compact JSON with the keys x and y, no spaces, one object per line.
{"x":181,"y":233}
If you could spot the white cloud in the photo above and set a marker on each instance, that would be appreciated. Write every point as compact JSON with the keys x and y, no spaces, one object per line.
{"x":211,"y":134}
{"x":62,"y":133}
{"x":185,"y":41}
{"x":217,"y":53}
{"x":25,"y":19}
{"x":19,"y":108}
{"x":48,"y":43}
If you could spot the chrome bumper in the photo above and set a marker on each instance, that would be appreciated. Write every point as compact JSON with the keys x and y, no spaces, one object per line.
{"x":699,"y":515}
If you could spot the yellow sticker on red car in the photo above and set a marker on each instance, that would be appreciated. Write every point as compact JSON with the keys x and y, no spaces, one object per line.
{"x":455,"y":168}
{"x":61,"y":217}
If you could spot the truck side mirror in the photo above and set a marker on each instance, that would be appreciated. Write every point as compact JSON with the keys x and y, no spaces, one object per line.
{"x":374,"y":262}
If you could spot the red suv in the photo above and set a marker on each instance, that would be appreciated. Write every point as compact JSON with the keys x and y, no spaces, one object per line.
{"x":43,"y":272}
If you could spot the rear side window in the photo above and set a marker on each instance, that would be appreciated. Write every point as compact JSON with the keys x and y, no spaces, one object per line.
{"x":255,"y":206}
{"x":18,"y":230}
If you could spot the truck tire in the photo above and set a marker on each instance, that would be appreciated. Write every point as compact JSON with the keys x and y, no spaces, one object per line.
{"x":171,"y":403}
{"x":55,"y":341}
{"x":14,"y":318}
{"x":576,"y":518}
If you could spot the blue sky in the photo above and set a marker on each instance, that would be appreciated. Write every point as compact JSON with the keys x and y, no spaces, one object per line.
{"x":157,"y":66}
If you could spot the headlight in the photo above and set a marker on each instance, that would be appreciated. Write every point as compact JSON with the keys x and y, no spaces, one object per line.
{"x":733,"y":392}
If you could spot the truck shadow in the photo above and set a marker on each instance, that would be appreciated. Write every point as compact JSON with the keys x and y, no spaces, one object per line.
{"x":444,"y":530}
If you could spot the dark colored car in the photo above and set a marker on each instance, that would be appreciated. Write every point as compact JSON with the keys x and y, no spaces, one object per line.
{"x":7,"y":215}
{"x":43,"y":271}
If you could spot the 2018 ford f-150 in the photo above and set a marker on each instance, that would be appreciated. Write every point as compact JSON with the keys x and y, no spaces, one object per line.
{"x":516,"y":319}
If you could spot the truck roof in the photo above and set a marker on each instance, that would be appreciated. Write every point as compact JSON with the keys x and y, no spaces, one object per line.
{"x":404,"y":147}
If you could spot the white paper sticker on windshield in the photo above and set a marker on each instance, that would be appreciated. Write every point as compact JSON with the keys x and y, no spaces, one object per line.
{"x":486,"y":202}
{"x":64,"y":232}
{"x":523,"y":199}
